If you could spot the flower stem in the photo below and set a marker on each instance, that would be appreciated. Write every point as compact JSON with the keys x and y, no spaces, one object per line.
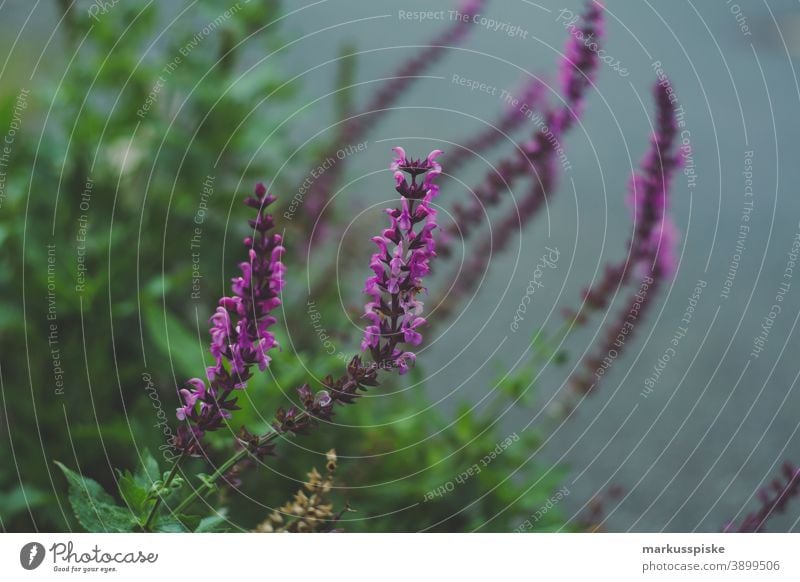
{"x":224,"y":467}
{"x":151,"y":516}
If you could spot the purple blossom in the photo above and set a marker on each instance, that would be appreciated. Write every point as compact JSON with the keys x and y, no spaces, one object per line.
{"x":393,"y":311}
{"x":528,"y":99}
{"x":401,"y":263}
{"x":655,"y":237}
{"x":651,"y":249}
{"x":579,"y":66}
{"x":773,"y":499}
{"x":477,"y":263}
{"x":240,"y":331}
{"x":534,"y":158}
{"x":649,"y":190}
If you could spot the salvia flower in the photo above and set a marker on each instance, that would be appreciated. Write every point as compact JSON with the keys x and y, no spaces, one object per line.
{"x":649,"y":189}
{"x":240,"y":330}
{"x":652,"y":246}
{"x":655,"y":237}
{"x":579,"y":66}
{"x":528,"y":99}
{"x":534,"y":157}
{"x":773,"y":499}
{"x":401,"y":263}
{"x":393,"y":311}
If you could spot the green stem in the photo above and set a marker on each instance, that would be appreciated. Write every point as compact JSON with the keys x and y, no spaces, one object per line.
{"x":151,"y":516}
{"x":223,"y":468}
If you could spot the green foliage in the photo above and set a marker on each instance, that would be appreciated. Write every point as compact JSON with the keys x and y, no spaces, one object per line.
{"x":97,"y":511}
{"x":217,"y":523}
{"x":146,"y":172}
{"x":94,"y":508}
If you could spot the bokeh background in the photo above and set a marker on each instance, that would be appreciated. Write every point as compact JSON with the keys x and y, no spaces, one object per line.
{"x":689,"y":456}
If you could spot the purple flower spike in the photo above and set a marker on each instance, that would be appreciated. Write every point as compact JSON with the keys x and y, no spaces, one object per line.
{"x":579,"y":66}
{"x":529,"y":98}
{"x":654,"y":241}
{"x":393,"y":312}
{"x":773,"y":499}
{"x":401,"y":263}
{"x":649,"y":190}
{"x":534,"y":158}
{"x":652,"y":247}
{"x":240,"y":330}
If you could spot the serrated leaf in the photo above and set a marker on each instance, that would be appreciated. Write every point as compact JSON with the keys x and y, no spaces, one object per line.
{"x":94,"y":508}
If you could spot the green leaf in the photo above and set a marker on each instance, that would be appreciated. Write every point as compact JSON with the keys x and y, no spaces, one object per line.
{"x":149,"y":472}
{"x":137,"y":489}
{"x":169,"y":524}
{"x":135,"y":495}
{"x":94,"y":508}
{"x":216,"y":523}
